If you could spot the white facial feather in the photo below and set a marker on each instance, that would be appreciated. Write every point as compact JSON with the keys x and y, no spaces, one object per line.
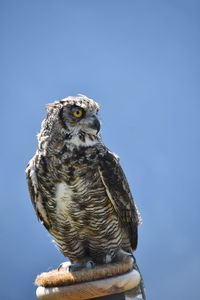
{"x":75,"y":140}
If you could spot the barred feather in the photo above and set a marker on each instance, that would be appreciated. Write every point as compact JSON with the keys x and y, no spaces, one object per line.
{"x":78,"y":188}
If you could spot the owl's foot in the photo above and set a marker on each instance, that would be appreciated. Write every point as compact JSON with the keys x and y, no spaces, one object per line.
{"x":82,"y":265}
{"x":122,"y":255}
{"x":77,"y":266}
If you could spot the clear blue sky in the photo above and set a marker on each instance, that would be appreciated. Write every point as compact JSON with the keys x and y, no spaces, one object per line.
{"x":140,"y":60}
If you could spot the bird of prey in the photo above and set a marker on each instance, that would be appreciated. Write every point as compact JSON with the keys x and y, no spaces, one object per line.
{"x":78,"y":188}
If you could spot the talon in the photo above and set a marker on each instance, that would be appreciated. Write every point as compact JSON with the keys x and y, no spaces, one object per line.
{"x":65,"y":265}
{"x":90,"y":264}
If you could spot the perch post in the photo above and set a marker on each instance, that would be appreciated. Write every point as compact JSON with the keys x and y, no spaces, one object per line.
{"x":108,"y":283}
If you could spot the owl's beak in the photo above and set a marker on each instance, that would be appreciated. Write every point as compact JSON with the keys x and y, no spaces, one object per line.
{"x":95,"y":124}
{"x":90,"y":124}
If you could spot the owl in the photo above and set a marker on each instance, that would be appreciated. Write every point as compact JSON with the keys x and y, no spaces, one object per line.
{"x":78,"y":188}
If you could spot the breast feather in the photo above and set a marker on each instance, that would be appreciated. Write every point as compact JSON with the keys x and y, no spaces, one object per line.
{"x":63,"y":197}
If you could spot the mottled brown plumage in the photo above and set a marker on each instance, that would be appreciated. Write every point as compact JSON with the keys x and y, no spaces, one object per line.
{"x":78,"y":188}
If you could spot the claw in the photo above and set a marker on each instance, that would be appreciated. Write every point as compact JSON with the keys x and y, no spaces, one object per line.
{"x":65,"y":265}
{"x":90,"y":264}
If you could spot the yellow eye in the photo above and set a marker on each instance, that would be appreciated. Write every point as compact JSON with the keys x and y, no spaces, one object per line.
{"x":78,"y":113}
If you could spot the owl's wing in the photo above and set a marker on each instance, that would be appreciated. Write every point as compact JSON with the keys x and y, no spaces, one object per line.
{"x":119,"y":194}
{"x":35,"y":195}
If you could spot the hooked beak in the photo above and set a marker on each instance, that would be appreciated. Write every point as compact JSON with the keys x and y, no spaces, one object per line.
{"x":90,"y":124}
{"x":95,"y":124}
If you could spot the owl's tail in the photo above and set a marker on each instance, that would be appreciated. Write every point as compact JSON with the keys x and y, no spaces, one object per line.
{"x":138,"y":291}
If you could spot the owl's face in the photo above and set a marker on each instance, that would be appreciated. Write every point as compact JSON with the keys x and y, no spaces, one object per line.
{"x":79,"y":119}
{"x":78,"y":114}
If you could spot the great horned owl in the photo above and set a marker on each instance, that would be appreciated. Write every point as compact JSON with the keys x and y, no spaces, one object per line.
{"x":78,"y":188}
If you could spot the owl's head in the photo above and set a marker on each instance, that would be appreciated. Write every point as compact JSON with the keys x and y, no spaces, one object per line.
{"x":78,"y":116}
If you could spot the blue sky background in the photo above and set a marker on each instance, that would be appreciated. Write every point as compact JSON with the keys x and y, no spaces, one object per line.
{"x":141,"y":61}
